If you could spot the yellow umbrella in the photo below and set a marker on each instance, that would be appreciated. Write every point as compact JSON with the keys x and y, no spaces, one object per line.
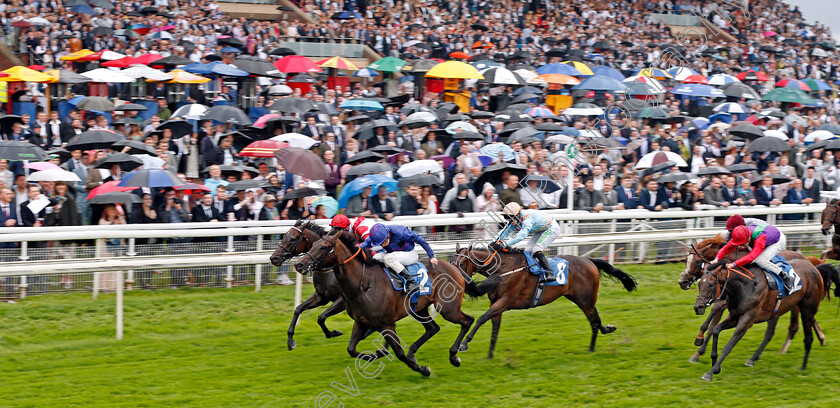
{"x":454,"y":70}
{"x":555,"y":79}
{"x":656,"y":73}
{"x":337,"y":63}
{"x":580,"y":67}
{"x":184,"y":77}
{"x":77,"y":55}
{"x":24,"y":74}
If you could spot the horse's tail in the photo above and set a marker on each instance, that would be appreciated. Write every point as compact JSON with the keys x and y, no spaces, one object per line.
{"x":472,"y":289}
{"x":604,"y":267}
{"x":475,"y":290}
{"x":830,"y":274}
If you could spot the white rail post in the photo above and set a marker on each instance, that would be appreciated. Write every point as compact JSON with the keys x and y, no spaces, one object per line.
{"x":298,"y":289}
{"x":229,"y":277}
{"x":120,"y":284}
{"x":99,"y":250}
{"x":23,"y":286}
{"x":258,"y":268}
{"x":611,"y":249}
{"x":131,"y":252}
{"x":24,"y":256}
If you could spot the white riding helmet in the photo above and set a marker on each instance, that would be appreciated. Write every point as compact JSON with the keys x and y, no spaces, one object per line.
{"x":512,"y":209}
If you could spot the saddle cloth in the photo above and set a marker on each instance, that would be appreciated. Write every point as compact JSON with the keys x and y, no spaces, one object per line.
{"x":560,"y":267}
{"x":776,"y":283}
{"x":420,"y":275}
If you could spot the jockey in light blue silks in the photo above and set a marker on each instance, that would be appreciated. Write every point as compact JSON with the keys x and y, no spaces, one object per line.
{"x":524,"y":222}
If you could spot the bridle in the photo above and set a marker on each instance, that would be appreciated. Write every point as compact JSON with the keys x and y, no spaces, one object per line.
{"x":721,"y":290}
{"x":332,"y":241}
{"x":833,"y":218}
{"x":703,"y":263}
{"x":289,"y":253}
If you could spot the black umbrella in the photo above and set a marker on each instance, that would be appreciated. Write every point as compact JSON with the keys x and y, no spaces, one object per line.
{"x":369,"y":168}
{"x":555,"y":53}
{"x":831,"y":127}
{"x":126,"y":121}
{"x":481,"y":115}
{"x":768,"y":144}
{"x":63,"y":154}
{"x":817,"y":145}
{"x":467,"y":135}
{"x":126,"y":162}
{"x":746,"y":131}
{"x":367,"y":130}
{"x":135,"y":147}
{"x":292,"y":104}
{"x":420,"y":180}
{"x":102,"y":31}
{"x":777,"y":179}
{"x":303,"y":193}
{"x":659,"y":168}
{"x":171,"y":60}
{"x":525,"y":97}
{"x":96,"y":103}
{"x":479,"y":27}
{"x":13,"y":150}
{"x":359,"y":119}
{"x":742,"y":167}
{"x":233,"y":42}
{"x":131,"y":107}
{"x":413,"y":107}
{"x":364,"y":157}
{"x":516,"y":117}
{"x":149,"y":10}
{"x":302,"y":79}
{"x":115,"y":197}
{"x":303,"y":162}
{"x":187,"y":45}
{"x":493,"y":174}
{"x":456,"y":117}
{"x":545,"y":184}
{"x":833,"y":145}
{"x":282,"y":52}
{"x":386,"y":150}
{"x":325,"y":108}
{"x":93,"y":139}
{"x":227,"y":114}
{"x":256,"y":66}
{"x":707,"y":171}
{"x":415,"y":123}
{"x":740,"y":90}
{"x":550,"y":127}
{"x":179,"y":127}
{"x":246,"y":185}
{"x":676,"y":176}
{"x":511,"y":128}
{"x":520,"y":134}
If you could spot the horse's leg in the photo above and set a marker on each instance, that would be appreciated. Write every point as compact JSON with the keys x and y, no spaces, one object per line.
{"x":792,"y":329}
{"x":741,"y":326}
{"x":808,"y":323}
{"x":451,"y":311}
{"x":715,"y":313}
{"x":588,"y":307}
{"x":394,"y":341}
{"x":818,"y":330}
{"x":360,"y":331}
{"x":768,"y":334}
{"x":338,"y":306}
{"x":431,"y":329}
{"x":497,"y":308}
{"x":314,"y":301}
{"x":497,"y":322}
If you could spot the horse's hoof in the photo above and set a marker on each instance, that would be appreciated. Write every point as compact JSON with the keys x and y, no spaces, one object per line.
{"x":463,"y":347}
{"x":694,"y":359}
{"x":490,"y":356}
{"x":750,"y":363}
{"x":456,"y":361}
{"x":608,"y":329}
{"x":292,"y":344}
{"x":716,"y":371}
{"x":698,"y":342}
{"x":426,"y":371}
{"x":802,"y":369}
{"x":707,"y":377}
{"x":822,"y":342}
{"x":334,"y":333}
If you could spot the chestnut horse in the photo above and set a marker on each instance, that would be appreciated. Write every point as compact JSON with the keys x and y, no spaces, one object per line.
{"x":297,"y":241}
{"x":831,"y":217}
{"x":699,"y":259}
{"x":509,"y":286}
{"x":375,"y":305}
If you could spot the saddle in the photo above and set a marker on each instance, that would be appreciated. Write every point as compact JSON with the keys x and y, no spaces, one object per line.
{"x":418,"y":272}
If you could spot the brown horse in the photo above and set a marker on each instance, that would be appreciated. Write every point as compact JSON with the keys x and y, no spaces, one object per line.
{"x":509,"y":286}
{"x":694,"y":265}
{"x":298,"y":240}
{"x":831,"y":217}
{"x":750,"y":300}
{"x":374,"y":305}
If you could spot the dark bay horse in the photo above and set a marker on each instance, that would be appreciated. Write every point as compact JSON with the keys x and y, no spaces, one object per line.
{"x":697,"y":260}
{"x":750,"y":300}
{"x":509,"y":286}
{"x":298,"y":240}
{"x":831,"y":218}
{"x":375,"y":305}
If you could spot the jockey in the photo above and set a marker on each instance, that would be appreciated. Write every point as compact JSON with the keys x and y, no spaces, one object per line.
{"x":766,"y":242}
{"x":394,"y":246}
{"x":734,"y":221}
{"x":526,"y":222}
{"x":358,"y":225}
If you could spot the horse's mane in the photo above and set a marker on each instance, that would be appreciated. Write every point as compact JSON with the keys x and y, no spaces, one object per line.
{"x":718,"y":239}
{"x":349,"y":240}
{"x":316,"y":228}
{"x":833,"y":201}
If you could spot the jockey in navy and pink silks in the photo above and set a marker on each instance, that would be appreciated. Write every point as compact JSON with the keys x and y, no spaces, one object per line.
{"x":765,"y":241}
{"x":394,"y":246}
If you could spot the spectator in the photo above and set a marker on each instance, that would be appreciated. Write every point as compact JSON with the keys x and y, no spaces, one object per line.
{"x":713,"y":194}
{"x":173,"y":210}
{"x":653,"y":198}
{"x":812,"y":185}
{"x":764,"y":194}
{"x":745,"y":194}
{"x":627,"y":193}
{"x":511,"y":193}
{"x":452,"y":193}
{"x":382,"y":207}
{"x":333,"y":181}
{"x":358,"y":205}
{"x":590,"y":199}
{"x":690,"y":196}
{"x":611,"y":196}
{"x":6,"y":176}
{"x":206,"y":211}
{"x":410,"y":204}
{"x":215,"y":180}
{"x":796,"y":195}
{"x":269,"y":210}
{"x":730,"y":193}
{"x":488,"y":201}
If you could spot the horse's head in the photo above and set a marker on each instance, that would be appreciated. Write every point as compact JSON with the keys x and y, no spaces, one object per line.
{"x":321,"y":256}
{"x":830,"y":215}
{"x":470,"y":260}
{"x":697,"y":260}
{"x":295,"y":242}
{"x":708,"y":288}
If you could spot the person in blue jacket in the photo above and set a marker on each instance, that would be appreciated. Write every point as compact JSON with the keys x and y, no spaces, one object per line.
{"x":394,"y":246}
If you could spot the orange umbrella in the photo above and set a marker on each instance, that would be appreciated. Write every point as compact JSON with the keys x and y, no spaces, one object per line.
{"x":555,"y":79}
{"x":482,"y":44}
{"x":459,"y":55}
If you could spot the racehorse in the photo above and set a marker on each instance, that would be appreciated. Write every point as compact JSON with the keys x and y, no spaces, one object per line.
{"x":510,"y":286}
{"x":831,"y":217}
{"x":296,"y":241}
{"x":374,"y":305}
{"x":697,"y":260}
{"x":750,"y":300}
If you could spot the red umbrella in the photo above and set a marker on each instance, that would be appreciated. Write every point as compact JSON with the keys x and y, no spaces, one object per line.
{"x":263,"y":148}
{"x":459,"y":55}
{"x":108,"y":187}
{"x":296,"y":64}
{"x":192,"y":188}
{"x":752,"y":75}
{"x":793,"y":83}
{"x":265,"y":118}
{"x":22,"y":24}
{"x":124,"y":62}
{"x":695,"y":79}
{"x":147,"y":59}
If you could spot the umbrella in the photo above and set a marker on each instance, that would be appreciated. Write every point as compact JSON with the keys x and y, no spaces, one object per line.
{"x":831,"y":127}
{"x":558,"y":68}
{"x":180,"y":76}
{"x":172,"y":60}
{"x":292,"y":105}
{"x":740,"y":90}
{"x":135,"y":147}
{"x":215,"y":67}
{"x":367,"y":130}
{"x":742,"y":168}
{"x":654,"y":158}
{"x":296,"y":140}
{"x":601,"y":83}
{"x":245,"y":185}
{"x":419,"y":167}
{"x":150,"y":162}
{"x":337,"y":63}
{"x":788,"y":95}
{"x":96,"y":103}
{"x":454,"y":127}
{"x":420,"y":65}
{"x":710,"y":170}
{"x":731,"y":107}
{"x":418,"y":120}
{"x":365,"y":73}
{"x":420,"y":180}
{"x":386,"y":150}
{"x":303,"y":193}
{"x":659,"y":168}
{"x":608,"y":71}
{"x":676,"y":176}
{"x":494,"y":149}
{"x":364,"y":157}
{"x":695,"y":79}
{"x":16,"y":151}
{"x":454,"y":70}
{"x":818,"y":135}
{"x":192,"y":188}
{"x":777,"y":179}
{"x":93,"y":139}
{"x":545,"y":184}
{"x":330,"y":205}
{"x":256,"y":66}
{"x":227,"y":114}
{"x":752,"y":75}
{"x":698,"y":90}
{"x":179,"y":127}
{"x":501,"y":76}
{"x":387,"y":64}
{"x":53,"y":175}
{"x":356,"y":186}
{"x":83,"y":9}
{"x":109,"y":187}
{"x":655,"y":73}
{"x":303,"y":162}
{"x":817,"y":84}
{"x":467,"y":135}
{"x":65,"y":76}
{"x":282,"y":52}
{"x":746,"y":131}
{"x":795,"y":120}
{"x":369,"y":168}
{"x":777,"y":134}
{"x":481,"y":115}
{"x":361,"y":105}
{"x":722,"y":79}
{"x":296,"y":64}
{"x":768,"y":144}
{"x":795,"y":84}
{"x":39,"y":166}
{"x":493,"y":174}
{"x":262,"y":148}
{"x":132,"y":107}
{"x":154,"y":178}
{"x":125,"y":161}
{"x":191,"y":111}
{"x":115,"y":197}
{"x":280,"y":90}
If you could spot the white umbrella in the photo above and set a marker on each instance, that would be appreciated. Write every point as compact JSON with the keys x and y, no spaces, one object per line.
{"x":502,"y":76}
{"x":424,"y":116}
{"x":142,"y":71}
{"x":38,"y":21}
{"x":280,"y":90}
{"x":419,"y":167}
{"x":527,"y":75}
{"x":107,"y":75}
{"x":816,"y":52}
{"x":818,"y":135}
{"x":590,"y":133}
{"x":651,"y":159}
{"x":583,"y":111}
{"x":681,"y":73}
{"x":453,"y":127}
{"x":722,"y":79}
{"x":776,"y":133}
{"x":636,"y":82}
{"x":111,"y":55}
{"x":296,"y":140}
{"x":560,"y":139}
{"x":53,"y":175}
{"x":720,"y":125}
{"x":150,"y":162}
{"x":191,"y":111}
{"x":730,"y":107}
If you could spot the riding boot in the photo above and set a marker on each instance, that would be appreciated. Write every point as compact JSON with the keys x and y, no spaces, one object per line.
{"x":410,"y":284}
{"x":549,"y":274}
{"x":788,"y":280}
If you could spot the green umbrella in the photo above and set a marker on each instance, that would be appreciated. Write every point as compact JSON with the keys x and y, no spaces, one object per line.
{"x":788,"y":95}
{"x":388,"y":64}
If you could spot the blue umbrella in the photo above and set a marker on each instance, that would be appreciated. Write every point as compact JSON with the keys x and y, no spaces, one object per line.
{"x":608,"y":71}
{"x":75,"y":100}
{"x":698,"y":90}
{"x":544,"y":184}
{"x":493,"y":150}
{"x":365,"y":73}
{"x":570,"y":131}
{"x":701,"y":123}
{"x":154,"y":178}
{"x":84,"y":9}
{"x":361,"y":104}
{"x":485,"y":160}
{"x":721,"y":117}
{"x":329,"y":203}
{"x":602,"y":83}
{"x":819,"y":84}
{"x":676,"y":70}
{"x":559,"y":68}
{"x":214,"y":67}
{"x":406,"y":78}
{"x":231,"y":49}
{"x":347,"y":15}
{"x":356,"y":186}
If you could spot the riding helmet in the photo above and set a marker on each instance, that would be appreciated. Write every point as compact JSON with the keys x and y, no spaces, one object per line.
{"x":740,"y":235}
{"x":734,"y":221}
{"x":512,"y":209}
{"x":378,"y":234}
{"x":340,"y":221}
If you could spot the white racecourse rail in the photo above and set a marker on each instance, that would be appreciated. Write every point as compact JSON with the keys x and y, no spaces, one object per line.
{"x":682,"y":226}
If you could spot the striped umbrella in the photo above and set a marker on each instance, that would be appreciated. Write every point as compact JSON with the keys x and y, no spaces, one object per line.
{"x":365,"y":73}
{"x":680,"y":73}
{"x":655,"y":73}
{"x":581,"y":67}
{"x":722,"y":79}
{"x":795,"y":84}
{"x":263,"y":148}
{"x":337,"y":63}
{"x":540,"y":111}
{"x":731,"y":107}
